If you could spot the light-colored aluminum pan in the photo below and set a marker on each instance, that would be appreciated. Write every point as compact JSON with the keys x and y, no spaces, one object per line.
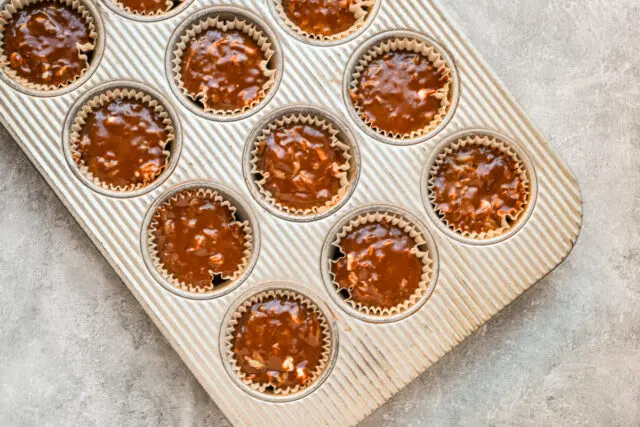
{"x":374,"y":360}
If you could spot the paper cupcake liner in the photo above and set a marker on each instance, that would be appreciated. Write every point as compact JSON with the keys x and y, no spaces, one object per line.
{"x":487,"y":141}
{"x":101,"y":100}
{"x":307,"y":119}
{"x":426,"y":258}
{"x":406,"y":44}
{"x":257,"y":298}
{"x":361,"y":10}
{"x":169,"y":5}
{"x":238,"y":24}
{"x":13,"y":6}
{"x":153,"y":249}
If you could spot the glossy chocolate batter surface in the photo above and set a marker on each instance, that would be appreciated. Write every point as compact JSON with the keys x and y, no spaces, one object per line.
{"x":397,"y":92}
{"x":279,"y":342}
{"x":122,"y":143}
{"x":41,"y":43}
{"x":197,"y":238}
{"x":300,"y":166}
{"x":225,"y":66}
{"x":378,"y":268}
{"x":321,"y":17}
{"x":476,"y":187}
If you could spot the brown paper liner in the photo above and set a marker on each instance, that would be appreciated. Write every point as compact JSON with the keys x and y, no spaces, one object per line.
{"x":224,"y":25}
{"x":246,"y":305}
{"x":170,"y":4}
{"x":101,"y":100}
{"x":361,"y":10}
{"x":487,"y":141}
{"x":415,"y":233}
{"x":415,"y":46}
{"x":308,"y":119}
{"x":153,"y":250}
{"x":12,"y":6}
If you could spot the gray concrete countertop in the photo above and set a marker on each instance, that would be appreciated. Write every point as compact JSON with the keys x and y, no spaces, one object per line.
{"x":77,"y":349}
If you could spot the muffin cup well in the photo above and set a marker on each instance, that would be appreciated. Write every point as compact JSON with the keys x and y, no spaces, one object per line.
{"x":318,"y":122}
{"x":223,"y":19}
{"x":266,"y":391}
{"x":83,"y":9}
{"x":174,"y":147}
{"x":101,"y":100}
{"x":424,"y":249}
{"x":209,"y":193}
{"x":407,"y":41}
{"x":362,"y":11}
{"x":511,"y":223}
{"x":345,"y":140}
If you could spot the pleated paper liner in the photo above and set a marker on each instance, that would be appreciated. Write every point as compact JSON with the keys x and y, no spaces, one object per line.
{"x":479,"y":140}
{"x":212,"y":18}
{"x":80,"y":6}
{"x":361,"y":9}
{"x":100,"y":100}
{"x":226,"y":281}
{"x":424,"y":250}
{"x":405,"y":42}
{"x":318,"y":122}
{"x":168,"y":5}
{"x":267,"y":391}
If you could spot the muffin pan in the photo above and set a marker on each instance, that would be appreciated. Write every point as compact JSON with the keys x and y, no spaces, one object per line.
{"x":470,"y":280}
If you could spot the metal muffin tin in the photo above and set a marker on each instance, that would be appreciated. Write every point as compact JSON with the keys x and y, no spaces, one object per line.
{"x":374,"y":360}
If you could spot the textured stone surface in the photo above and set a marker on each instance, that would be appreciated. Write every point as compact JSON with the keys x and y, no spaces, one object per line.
{"x":77,"y":349}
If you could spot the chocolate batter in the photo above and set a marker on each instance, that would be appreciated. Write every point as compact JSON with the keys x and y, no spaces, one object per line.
{"x":396,"y":92}
{"x":279,"y":342}
{"x":226,"y":67}
{"x":300,"y":166}
{"x":321,"y":17}
{"x":43,"y":43}
{"x":198,"y":238}
{"x":122,"y":143}
{"x":477,"y":188}
{"x":378,"y":268}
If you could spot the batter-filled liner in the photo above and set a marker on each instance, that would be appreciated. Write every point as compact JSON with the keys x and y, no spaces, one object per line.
{"x":102,"y":100}
{"x":344,"y":171}
{"x":266,"y":388}
{"x":217,"y":280}
{"x":85,"y":51}
{"x":419,"y":250}
{"x":236,"y":24}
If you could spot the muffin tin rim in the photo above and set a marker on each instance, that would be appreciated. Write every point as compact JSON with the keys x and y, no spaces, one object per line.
{"x":223,"y":10}
{"x":367,"y":45}
{"x":236,"y":199}
{"x":94,"y":64}
{"x":528,"y":166}
{"x":292,"y":287}
{"x":320,"y":111}
{"x":325,"y":254}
